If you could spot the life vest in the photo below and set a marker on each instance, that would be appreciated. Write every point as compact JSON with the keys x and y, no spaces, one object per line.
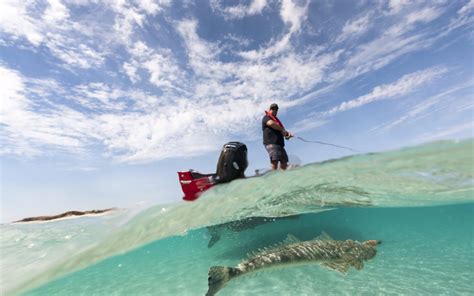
{"x":274,"y":118}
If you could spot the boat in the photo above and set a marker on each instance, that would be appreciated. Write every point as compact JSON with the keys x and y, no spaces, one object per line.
{"x":231,"y":165}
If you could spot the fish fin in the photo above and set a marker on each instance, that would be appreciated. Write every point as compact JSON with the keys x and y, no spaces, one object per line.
{"x":342,"y":267}
{"x":324,"y":236}
{"x":358,"y":264}
{"x":214,"y":239}
{"x":254,"y":253}
{"x":218,"y":277}
{"x":290,"y":239}
{"x":257,"y":252}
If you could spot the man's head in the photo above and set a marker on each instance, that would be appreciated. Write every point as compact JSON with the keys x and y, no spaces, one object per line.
{"x":274,"y":108}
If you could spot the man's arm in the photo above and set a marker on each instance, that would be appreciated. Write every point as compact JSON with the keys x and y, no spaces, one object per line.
{"x":274,"y":125}
{"x":278,"y":127}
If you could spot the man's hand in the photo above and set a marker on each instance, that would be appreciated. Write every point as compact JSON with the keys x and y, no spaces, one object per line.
{"x":287,"y":134}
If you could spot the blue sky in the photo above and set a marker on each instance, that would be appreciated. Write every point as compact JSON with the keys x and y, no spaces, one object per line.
{"x":103,"y":101}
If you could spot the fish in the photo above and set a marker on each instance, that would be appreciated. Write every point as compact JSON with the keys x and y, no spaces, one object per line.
{"x":323,"y":250}
{"x":215,"y":231}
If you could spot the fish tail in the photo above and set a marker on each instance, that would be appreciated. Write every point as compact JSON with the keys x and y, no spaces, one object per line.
{"x":215,"y":237}
{"x":218,"y":277}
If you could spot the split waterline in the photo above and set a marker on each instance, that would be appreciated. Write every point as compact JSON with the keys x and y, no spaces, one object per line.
{"x":419,"y":201}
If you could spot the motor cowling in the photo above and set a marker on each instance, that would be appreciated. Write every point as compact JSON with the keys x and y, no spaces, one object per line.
{"x":232,"y":162}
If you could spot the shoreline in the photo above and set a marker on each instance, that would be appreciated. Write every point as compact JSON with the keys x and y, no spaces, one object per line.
{"x":65,"y":215}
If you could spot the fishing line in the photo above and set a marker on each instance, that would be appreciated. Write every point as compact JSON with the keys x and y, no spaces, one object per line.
{"x":323,"y":143}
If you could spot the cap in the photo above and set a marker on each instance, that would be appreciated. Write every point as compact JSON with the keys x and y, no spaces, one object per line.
{"x":274,"y":106}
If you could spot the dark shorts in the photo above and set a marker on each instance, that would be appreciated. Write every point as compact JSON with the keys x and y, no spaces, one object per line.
{"x":277,"y":153}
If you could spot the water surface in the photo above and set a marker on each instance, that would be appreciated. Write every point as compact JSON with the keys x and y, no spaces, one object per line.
{"x":419,"y":201}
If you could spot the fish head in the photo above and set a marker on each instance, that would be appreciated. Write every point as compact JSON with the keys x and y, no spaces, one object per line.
{"x":373,"y":242}
{"x":369,"y":250}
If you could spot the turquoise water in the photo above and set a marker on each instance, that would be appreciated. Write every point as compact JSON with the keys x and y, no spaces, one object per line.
{"x":419,"y":201}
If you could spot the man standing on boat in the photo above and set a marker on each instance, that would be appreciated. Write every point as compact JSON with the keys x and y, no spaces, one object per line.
{"x":273,"y":138}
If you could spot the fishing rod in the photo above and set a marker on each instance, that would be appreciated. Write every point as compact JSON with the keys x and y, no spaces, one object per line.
{"x":323,"y":143}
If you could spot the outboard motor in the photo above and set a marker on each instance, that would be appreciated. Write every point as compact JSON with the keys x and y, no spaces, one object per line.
{"x":232,"y":162}
{"x":231,"y":165}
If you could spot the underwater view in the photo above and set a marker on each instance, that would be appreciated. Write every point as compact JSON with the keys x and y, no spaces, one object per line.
{"x":236,"y":147}
{"x":415,"y":206}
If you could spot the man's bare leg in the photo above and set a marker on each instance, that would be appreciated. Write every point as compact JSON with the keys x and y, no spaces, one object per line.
{"x":274,"y":165}
{"x":283,"y":165}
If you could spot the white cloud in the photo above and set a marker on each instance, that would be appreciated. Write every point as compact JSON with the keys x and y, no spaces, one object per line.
{"x":189,"y":101}
{"x":74,"y":38}
{"x":239,"y":11}
{"x":82,"y":2}
{"x":395,"y":41}
{"x":132,"y":14}
{"x":412,"y":113}
{"x":26,"y":132}
{"x":403,"y":86}
{"x":140,"y":49}
{"x":14,"y":20}
{"x":448,"y":132}
{"x":466,"y":105}
{"x":356,"y":27}
{"x":76,"y":55}
{"x":150,"y":128}
{"x":163,"y":71}
{"x":197,"y":47}
{"x":203,"y":55}
{"x":424,"y":15}
{"x":11,"y":91}
{"x":126,"y":21}
{"x":153,"y":6}
{"x":288,"y":74}
{"x":276,"y":48}
{"x":409,"y":20}
{"x":55,"y":13}
{"x":99,"y":97}
{"x":51,"y":28}
{"x":170,"y":130}
{"x":423,"y":108}
{"x":257,"y":6}
{"x":293,"y":16}
{"x":307,"y":124}
{"x":216,"y":89}
{"x":464,"y":18}
{"x":395,"y":6}
{"x":131,"y":70}
{"x":466,"y":8}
